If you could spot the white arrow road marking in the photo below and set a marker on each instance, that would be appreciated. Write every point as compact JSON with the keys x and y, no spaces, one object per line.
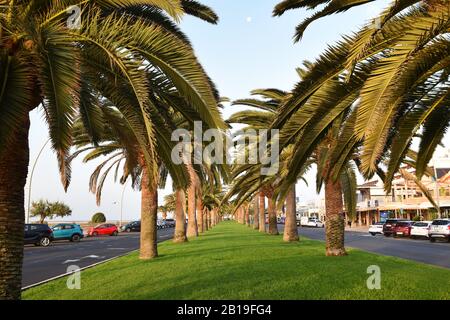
{"x":71,"y":261}
{"x":86,"y":257}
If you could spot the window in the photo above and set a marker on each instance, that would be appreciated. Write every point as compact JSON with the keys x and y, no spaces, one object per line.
{"x":32,"y":228}
{"x":441,"y":222}
{"x":420,"y":224}
{"x":68,"y":227}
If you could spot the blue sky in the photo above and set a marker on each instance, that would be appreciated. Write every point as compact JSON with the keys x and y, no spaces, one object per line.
{"x":247,"y":50}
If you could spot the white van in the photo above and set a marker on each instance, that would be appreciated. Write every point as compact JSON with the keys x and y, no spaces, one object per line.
{"x":311,"y":222}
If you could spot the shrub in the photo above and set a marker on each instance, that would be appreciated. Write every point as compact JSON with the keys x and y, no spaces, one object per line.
{"x":98,"y":218}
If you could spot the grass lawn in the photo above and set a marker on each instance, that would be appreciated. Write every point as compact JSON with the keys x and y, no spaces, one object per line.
{"x":234,"y":262}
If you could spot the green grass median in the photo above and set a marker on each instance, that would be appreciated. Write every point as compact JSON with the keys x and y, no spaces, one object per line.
{"x":235,"y":262}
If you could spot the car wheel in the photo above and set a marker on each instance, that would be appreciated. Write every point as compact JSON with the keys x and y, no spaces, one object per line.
{"x":115,"y":233}
{"x":95,"y":233}
{"x":373,"y":234}
{"x":128,"y":230}
{"x":75,"y":238}
{"x":44,"y":242}
{"x":432,"y":239}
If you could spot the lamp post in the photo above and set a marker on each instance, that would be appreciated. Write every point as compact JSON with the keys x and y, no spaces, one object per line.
{"x":31,"y":179}
{"x":121,"y":203}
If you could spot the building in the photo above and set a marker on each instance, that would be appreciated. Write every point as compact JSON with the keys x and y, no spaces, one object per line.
{"x":406,"y":199}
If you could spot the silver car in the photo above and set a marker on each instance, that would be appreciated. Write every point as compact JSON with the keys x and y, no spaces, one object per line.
{"x":440,"y":229}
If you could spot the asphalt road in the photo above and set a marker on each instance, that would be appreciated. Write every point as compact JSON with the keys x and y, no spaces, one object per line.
{"x":418,"y":250}
{"x":41,"y":264}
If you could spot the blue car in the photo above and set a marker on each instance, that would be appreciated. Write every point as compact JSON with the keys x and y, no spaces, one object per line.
{"x":68,"y":231}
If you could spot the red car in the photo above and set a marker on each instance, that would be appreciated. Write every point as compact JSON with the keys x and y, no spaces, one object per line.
{"x":402,"y":229}
{"x":105,"y":229}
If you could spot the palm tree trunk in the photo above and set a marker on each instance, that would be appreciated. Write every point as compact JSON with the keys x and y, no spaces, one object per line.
{"x":262,"y":212}
{"x":272,"y":211}
{"x":335,"y":226}
{"x":14,"y":159}
{"x":256,"y":213}
{"x":200,"y":223}
{"x":290,"y":226}
{"x":180,"y":222}
{"x":245,"y":215}
{"x":192,"y":230}
{"x":209,"y":219}
{"x":205,"y":220}
{"x":149,"y":214}
{"x":212,"y":218}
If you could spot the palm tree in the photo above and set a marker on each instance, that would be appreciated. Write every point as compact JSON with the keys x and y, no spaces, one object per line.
{"x":69,"y":70}
{"x":176,"y":203}
{"x":117,"y":143}
{"x":406,"y":88}
{"x":337,"y":6}
{"x":49,"y":210}
{"x":262,"y":118}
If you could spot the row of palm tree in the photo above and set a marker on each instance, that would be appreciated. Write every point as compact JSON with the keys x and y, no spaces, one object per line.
{"x":117,"y":83}
{"x":360,"y":105}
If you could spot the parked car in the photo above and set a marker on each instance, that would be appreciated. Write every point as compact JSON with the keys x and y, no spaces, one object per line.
{"x":376,"y":228}
{"x":402,"y":229}
{"x":170,"y":223}
{"x":439,"y":229}
{"x":105,"y":229}
{"x":420,"y":229}
{"x":134,"y":226}
{"x":38,"y":234}
{"x":389,"y":225}
{"x":311,"y":222}
{"x":68,"y":231}
{"x":161,"y":224}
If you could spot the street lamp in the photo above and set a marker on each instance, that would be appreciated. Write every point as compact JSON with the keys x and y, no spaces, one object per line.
{"x":121,"y":203}
{"x":31,"y":179}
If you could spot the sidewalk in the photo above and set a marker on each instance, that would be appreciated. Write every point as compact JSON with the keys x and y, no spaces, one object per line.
{"x":354,"y":228}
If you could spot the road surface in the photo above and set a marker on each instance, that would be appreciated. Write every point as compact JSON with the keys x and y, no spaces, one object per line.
{"x":41,"y":264}
{"x":418,"y":250}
